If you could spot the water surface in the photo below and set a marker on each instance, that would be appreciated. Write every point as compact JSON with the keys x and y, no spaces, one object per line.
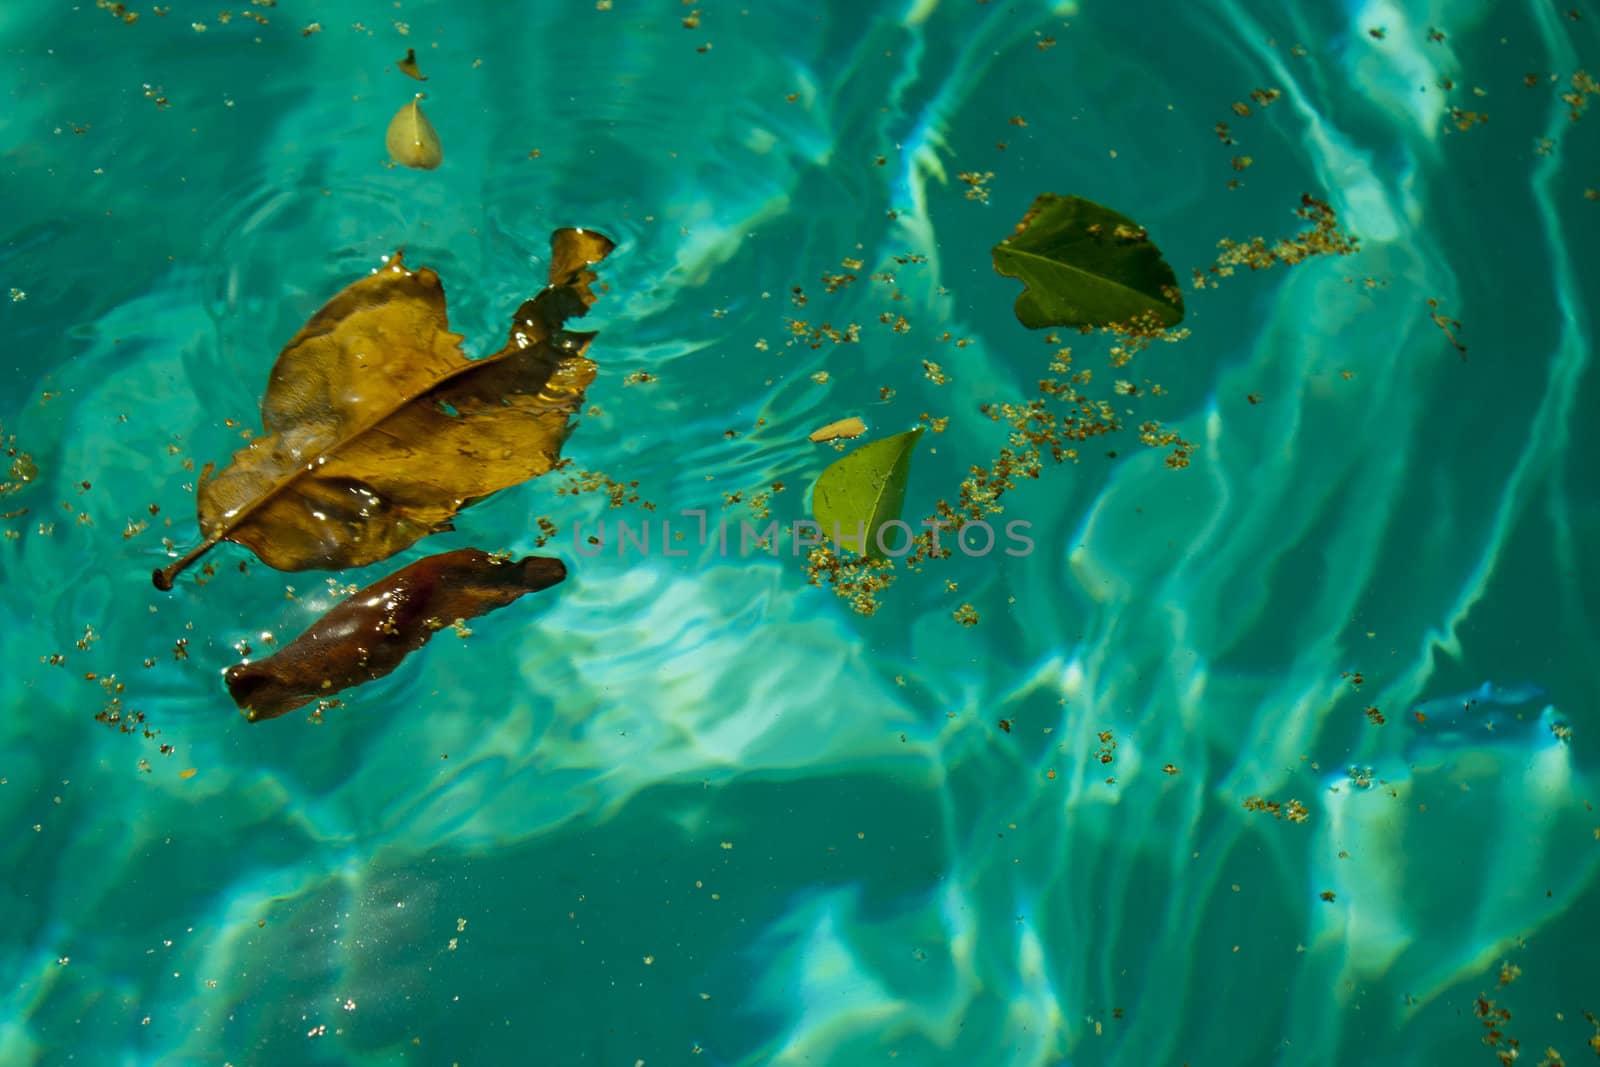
{"x":692,"y":809}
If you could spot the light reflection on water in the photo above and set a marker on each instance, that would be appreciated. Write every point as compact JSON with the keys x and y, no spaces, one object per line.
{"x":809,"y":823}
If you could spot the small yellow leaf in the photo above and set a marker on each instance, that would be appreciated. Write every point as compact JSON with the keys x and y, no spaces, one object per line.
{"x":408,"y":66}
{"x":844,"y":428}
{"x":412,"y":140}
{"x":188,"y":772}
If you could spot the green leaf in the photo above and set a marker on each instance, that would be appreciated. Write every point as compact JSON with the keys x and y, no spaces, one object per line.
{"x":1086,"y":265}
{"x":863,"y":491}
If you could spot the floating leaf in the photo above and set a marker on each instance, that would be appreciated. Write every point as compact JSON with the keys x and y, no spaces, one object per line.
{"x":379,"y":430}
{"x":844,"y":429}
{"x":408,"y":66}
{"x":366,"y":636}
{"x":1086,"y":265}
{"x":412,"y":141}
{"x":863,"y":492}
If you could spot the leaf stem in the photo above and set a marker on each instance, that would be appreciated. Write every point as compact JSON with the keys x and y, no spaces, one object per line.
{"x":165,"y":576}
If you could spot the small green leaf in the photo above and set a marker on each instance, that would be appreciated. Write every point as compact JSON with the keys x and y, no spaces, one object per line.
{"x":862,"y":492}
{"x":1086,"y":265}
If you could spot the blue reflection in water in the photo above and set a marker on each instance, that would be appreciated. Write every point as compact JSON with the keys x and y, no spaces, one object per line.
{"x":1488,"y":703}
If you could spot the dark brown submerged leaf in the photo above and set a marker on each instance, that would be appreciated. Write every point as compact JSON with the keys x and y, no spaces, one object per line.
{"x":367,"y":636}
{"x":379,"y":429}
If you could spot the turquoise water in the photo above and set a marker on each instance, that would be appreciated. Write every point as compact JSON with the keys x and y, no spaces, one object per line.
{"x":686,"y":810}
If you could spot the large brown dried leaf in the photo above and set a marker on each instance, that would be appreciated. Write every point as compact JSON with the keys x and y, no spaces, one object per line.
{"x":379,"y":429}
{"x":367,"y":636}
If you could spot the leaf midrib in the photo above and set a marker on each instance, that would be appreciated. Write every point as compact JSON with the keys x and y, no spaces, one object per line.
{"x":339,"y":443}
{"x":1035,"y":257}
{"x":877,"y":500}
